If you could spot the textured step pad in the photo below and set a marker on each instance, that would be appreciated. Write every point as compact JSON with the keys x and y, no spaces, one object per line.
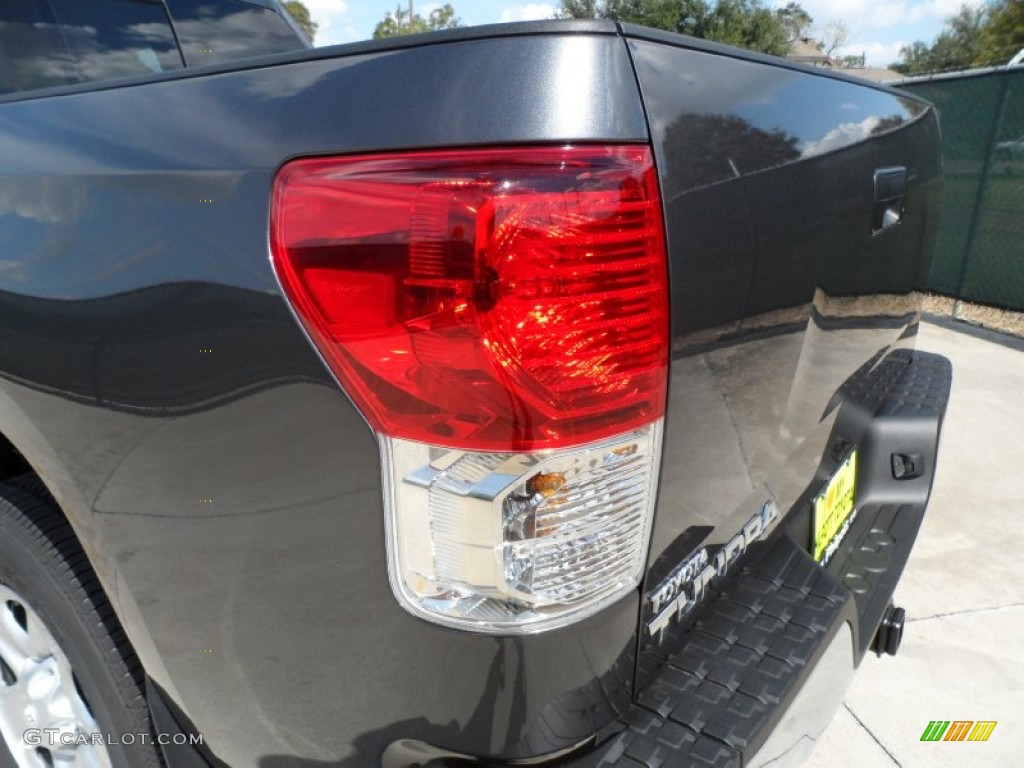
{"x":870,"y":562}
{"x":904,"y":382}
{"x":738,"y":666}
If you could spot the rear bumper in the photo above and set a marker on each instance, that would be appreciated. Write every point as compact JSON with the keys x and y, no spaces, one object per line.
{"x":756,"y":677}
{"x":773,"y":654}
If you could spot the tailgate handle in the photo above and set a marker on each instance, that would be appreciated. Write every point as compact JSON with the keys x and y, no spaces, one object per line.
{"x":890,"y":198}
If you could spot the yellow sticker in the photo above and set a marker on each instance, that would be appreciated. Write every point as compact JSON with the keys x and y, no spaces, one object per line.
{"x":833,"y":510}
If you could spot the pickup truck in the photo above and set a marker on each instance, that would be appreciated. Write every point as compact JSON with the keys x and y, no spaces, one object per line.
{"x":530,"y":394}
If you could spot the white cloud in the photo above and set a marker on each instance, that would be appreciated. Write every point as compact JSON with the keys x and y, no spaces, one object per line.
{"x":326,"y":6}
{"x":333,"y":18}
{"x":528,"y":12}
{"x":887,"y":14}
{"x":891,"y":13}
{"x":858,"y":13}
{"x":943,"y":9}
{"x":876,"y":54}
{"x":841,"y":136}
{"x":824,"y":11}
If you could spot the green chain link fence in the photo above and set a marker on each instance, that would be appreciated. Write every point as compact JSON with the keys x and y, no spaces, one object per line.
{"x":980,"y":252}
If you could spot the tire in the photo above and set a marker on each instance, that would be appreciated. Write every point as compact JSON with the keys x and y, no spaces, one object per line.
{"x":64,"y":659}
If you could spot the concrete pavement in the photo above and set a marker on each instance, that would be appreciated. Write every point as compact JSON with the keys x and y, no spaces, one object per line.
{"x":963,"y":588}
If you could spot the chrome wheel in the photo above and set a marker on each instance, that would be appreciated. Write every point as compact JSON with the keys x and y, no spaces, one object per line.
{"x":44,"y":720}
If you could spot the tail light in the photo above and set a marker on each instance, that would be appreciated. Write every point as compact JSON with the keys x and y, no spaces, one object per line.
{"x":500,"y":318}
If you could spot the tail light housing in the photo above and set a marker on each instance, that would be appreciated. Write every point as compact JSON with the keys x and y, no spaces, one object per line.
{"x":500,"y":318}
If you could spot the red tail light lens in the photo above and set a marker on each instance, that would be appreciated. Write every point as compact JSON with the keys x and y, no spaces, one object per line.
{"x":485,"y":299}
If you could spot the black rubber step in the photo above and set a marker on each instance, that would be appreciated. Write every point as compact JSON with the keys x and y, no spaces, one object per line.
{"x":893,"y":412}
{"x":905,"y":380}
{"x":739,"y":665}
{"x":870,"y":562}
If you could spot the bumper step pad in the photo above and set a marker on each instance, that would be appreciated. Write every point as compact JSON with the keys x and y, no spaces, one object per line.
{"x":739,"y":666}
{"x":871,"y":564}
{"x":894,"y":409}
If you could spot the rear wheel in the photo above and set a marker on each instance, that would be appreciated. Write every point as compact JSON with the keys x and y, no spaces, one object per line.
{"x":71,"y":690}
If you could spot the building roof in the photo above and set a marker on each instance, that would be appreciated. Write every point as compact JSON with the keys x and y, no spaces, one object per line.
{"x":809,"y":52}
{"x":875,"y":74}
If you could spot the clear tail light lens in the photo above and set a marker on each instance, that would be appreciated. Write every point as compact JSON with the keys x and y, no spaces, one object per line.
{"x":500,"y":317}
{"x":508,"y":542}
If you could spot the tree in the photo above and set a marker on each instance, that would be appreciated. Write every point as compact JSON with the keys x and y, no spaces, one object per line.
{"x":795,"y":20}
{"x":658,"y":14}
{"x":915,"y":59}
{"x":974,"y":37}
{"x":961,"y":45}
{"x":834,"y":35}
{"x":300,"y":13}
{"x":748,"y":24}
{"x":399,"y":23}
{"x":744,"y":23}
{"x":1003,"y":34}
{"x":579,"y":9}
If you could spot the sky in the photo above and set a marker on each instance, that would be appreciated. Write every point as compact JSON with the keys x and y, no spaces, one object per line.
{"x":878,"y":28}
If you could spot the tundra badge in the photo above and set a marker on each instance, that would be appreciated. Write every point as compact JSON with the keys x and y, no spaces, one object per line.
{"x":684,"y":589}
